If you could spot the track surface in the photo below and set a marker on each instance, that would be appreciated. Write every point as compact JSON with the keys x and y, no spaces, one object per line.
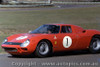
{"x":62,"y":59}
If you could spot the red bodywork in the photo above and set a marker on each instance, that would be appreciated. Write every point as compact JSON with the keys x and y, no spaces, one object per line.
{"x":80,"y":40}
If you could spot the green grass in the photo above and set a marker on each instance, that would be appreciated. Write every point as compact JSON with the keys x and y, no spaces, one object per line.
{"x":12,"y":22}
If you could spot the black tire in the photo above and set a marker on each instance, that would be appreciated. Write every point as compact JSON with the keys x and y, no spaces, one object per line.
{"x":15,"y":55}
{"x":43,"y":51}
{"x":94,"y":45}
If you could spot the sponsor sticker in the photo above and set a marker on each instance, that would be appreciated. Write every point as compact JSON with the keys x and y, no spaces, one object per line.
{"x":55,"y":37}
{"x":55,"y":42}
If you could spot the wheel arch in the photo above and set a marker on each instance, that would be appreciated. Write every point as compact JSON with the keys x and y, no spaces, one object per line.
{"x":47,"y":41}
{"x":96,"y":35}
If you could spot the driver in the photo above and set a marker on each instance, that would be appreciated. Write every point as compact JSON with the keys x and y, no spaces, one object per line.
{"x":49,"y":32}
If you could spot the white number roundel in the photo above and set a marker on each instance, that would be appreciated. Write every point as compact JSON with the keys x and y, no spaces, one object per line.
{"x":67,"y":41}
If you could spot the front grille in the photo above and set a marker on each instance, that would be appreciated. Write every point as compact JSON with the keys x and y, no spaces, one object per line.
{"x":10,"y":49}
{"x":12,"y":43}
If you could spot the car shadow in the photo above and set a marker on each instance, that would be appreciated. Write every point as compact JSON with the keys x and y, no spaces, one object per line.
{"x":59,"y":54}
{"x":71,"y":53}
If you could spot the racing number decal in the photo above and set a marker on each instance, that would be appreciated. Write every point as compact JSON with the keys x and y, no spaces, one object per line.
{"x":67,"y":41}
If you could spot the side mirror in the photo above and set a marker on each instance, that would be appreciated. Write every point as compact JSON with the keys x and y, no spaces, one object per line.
{"x":29,"y":31}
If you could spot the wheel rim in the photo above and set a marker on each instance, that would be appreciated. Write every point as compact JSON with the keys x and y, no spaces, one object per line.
{"x":96,"y":44}
{"x":43,"y":49}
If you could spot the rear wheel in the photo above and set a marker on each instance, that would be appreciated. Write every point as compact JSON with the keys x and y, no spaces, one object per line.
{"x":94,"y":45}
{"x":43,"y":49}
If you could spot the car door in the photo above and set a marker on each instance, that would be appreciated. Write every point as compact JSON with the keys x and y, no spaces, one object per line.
{"x":66,"y":39}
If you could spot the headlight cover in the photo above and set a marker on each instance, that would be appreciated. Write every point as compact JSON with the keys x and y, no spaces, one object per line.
{"x":4,"y":41}
{"x":25,"y":44}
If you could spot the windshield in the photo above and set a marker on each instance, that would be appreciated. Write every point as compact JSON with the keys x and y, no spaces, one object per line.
{"x":48,"y":29}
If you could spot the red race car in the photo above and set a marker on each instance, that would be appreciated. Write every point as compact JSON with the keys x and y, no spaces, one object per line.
{"x":50,"y":38}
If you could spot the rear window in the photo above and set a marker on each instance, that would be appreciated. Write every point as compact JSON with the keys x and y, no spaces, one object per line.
{"x":66,"y":29}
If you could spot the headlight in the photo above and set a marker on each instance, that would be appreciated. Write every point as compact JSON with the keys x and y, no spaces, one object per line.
{"x":5,"y":41}
{"x":25,"y":44}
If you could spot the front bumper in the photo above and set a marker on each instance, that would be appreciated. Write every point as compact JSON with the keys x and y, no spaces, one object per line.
{"x":16,"y":49}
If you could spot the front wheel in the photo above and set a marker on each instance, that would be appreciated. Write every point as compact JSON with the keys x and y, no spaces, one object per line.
{"x":94,"y":45}
{"x":43,"y":49}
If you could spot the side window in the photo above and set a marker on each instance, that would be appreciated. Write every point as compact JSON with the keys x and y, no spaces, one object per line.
{"x":66,"y":29}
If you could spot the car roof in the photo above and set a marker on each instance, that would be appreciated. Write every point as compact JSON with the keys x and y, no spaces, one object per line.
{"x":59,"y":24}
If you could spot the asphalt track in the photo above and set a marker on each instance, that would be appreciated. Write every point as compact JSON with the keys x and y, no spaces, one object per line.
{"x":62,"y":59}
